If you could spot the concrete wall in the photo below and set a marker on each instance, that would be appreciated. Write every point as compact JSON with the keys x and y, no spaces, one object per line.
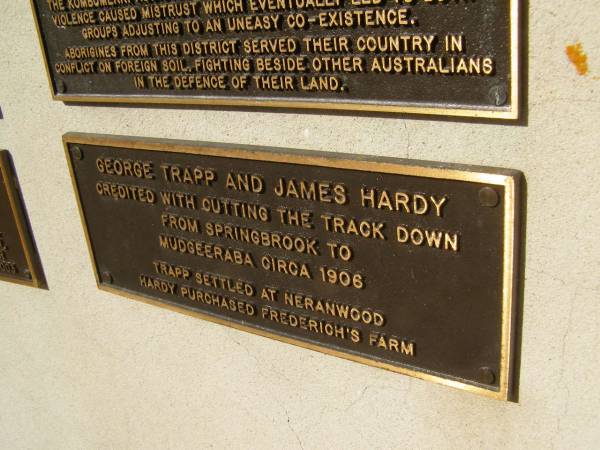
{"x":84,"y":369}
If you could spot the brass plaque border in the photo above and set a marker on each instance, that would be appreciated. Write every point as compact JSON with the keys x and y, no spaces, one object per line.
{"x":507,"y":113}
{"x":14,"y":199}
{"x":509,"y":179}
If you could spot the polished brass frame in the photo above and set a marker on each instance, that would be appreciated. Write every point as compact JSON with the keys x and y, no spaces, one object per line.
{"x":511,"y":112}
{"x":509,"y":179}
{"x":14,"y":199}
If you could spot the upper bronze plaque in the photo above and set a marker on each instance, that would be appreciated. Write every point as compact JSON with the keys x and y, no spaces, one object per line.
{"x":18,"y":259}
{"x":402,"y":265}
{"x":449,"y":57}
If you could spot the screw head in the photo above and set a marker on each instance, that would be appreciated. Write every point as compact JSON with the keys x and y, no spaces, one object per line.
{"x":106,"y":277}
{"x":77,"y":153}
{"x":488,"y":197}
{"x":498,"y":95}
{"x":486,"y":375}
{"x":27,"y":274}
{"x":61,"y":87}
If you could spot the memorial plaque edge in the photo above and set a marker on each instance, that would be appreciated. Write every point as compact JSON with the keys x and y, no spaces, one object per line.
{"x":25,"y":238}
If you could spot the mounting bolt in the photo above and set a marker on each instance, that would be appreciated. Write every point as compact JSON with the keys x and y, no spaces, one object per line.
{"x":107,"y":277}
{"x":77,"y":153}
{"x":488,"y":197}
{"x":498,"y":95}
{"x":27,"y":274}
{"x":61,"y":87}
{"x":486,"y":375}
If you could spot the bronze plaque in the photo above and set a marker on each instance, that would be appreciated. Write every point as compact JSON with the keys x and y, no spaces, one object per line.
{"x":19,"y":261}
{"x":403,"y":265}
{"x":456,"y":57}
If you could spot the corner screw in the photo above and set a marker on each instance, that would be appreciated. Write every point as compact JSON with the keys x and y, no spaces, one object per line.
{"x":77,"y":153}
{"x":61,"y":87}
{"x":107,"y":277}
{"x":498,"y":95}
{"x":27,"y":274}
{"x":486,"y":375}
{"x":488,"y":197}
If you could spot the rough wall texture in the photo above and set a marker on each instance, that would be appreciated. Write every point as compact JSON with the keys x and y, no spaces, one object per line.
{"x":84,"y":369}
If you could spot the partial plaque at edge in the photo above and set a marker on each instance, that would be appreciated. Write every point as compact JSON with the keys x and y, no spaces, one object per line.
{"x":398,"y":264}
{"x":458,"y":58}
{"x":19,"y":262}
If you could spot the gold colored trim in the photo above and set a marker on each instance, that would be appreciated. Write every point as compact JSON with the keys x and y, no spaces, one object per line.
{"x":14,"y":200}
{"x":515,"y":57}
{"x":43,"y":48}
{"x":506,"y":113}
{"x":499,"y":177}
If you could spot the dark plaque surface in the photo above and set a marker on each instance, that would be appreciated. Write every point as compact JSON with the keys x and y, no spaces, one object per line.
{"x":457,"y":57}
{"x":18,"y":259}
{"x":402,"y":265}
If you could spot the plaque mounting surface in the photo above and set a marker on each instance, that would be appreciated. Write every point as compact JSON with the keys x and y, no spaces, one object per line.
{"x":458,"y":58}
{"x":19,"y":262}
{"x":402,"y":265}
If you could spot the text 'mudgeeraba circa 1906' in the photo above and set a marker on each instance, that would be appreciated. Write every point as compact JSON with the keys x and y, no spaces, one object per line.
{"x":402,"y":265}
{"x":456,"y":57}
